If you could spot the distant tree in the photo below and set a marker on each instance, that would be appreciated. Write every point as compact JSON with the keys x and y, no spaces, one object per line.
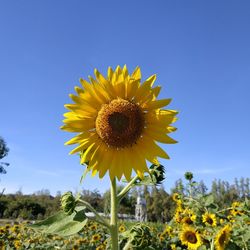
{"x":178,"y":187}
{"x":94,"y":198}
{"x":127,"y":204}
{"x":3,"y":152}
{"x":247,"y":187}
{"x":202,"y":188}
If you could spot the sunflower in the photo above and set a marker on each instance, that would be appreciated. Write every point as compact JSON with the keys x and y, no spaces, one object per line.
{"x":176,"y":197}
{"x":122,"y":228}
{"x":93,"y":227}
{"x":222,"y":238}
{"x":169,"y":231}
{"x":101,"y":247}
{"x":75,"y":247}
{"x":96,"y":237}
{"x":187,"y":220}
{"x":2,"y":244}
{"x":209,"y":219}
{"x":235,"y":204}
{"x":118,"y":120}
{"x":190,"y":238}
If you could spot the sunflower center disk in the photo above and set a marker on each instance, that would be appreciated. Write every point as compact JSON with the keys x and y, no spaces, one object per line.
{"x":191,"y":238}
{"x":120,"y":123}
{"x":210,"y":221}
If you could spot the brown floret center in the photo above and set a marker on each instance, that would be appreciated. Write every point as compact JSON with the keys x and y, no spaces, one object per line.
{"x":120,"y":123}
{"x":191,"y":237}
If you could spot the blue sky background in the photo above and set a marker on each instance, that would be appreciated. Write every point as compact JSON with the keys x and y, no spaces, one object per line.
{"x":200,"y":51}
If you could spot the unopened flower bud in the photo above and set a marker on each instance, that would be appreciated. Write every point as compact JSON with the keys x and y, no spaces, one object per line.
{"x":157,"y":174}
{"x":140,"y":236}
{"x":189,"y":176}
{"x":68,"y":203}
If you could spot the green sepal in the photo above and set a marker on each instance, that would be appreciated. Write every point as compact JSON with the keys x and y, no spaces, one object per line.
{"x":62,"y":224}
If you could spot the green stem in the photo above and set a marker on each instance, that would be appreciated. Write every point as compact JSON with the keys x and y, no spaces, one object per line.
{"x":98,"y":219}
{"x":190,"y":189}
{"x":114,"y":216}
{"x":126,"y":189}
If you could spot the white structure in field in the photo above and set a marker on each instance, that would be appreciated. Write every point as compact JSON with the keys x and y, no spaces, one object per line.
{"x":141,"y":209}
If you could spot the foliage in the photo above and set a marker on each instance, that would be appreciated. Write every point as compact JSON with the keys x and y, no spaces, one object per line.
{"x":127,"y":204}
{"x":189,"y":213}
{"x":160,"y":205}
{"x":3,"y":152}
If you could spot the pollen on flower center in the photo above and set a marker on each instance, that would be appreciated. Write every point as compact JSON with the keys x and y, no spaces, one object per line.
{"x":120,"y":123}
{"x":191,"y":238}
{"x":210,"y":221}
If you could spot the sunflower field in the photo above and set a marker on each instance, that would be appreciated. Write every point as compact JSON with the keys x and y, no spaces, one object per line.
{"x":198,"y":223}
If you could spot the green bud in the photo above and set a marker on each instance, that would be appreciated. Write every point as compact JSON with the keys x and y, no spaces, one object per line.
{"x":140,"y":236}
{"x":68,"y":203}
{"x":189,"y":176}
{"x":157,"y":173}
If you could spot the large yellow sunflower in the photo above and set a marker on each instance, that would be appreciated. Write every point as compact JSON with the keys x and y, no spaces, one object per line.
{"x":190,"y":238}
{"x":222,"y":238}
{"x":119,"y":121}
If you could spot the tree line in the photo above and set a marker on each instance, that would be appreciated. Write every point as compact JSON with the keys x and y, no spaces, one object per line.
{"x":160,"y":205}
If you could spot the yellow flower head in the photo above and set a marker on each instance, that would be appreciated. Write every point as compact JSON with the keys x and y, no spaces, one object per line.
{"x":93,"y":227}
{"x":173,"y":247}
{"x":2,"y":230}
{"x":222,"y":238}
{"x":187,"y":220}
{"x":101,"y":247}
{"x":17,"y":244}
{"x":75,"y":247}
{"x":118,"y":117}
{"x":96,"y":237}
{"x":176,"y":197}
{"x":190,"y":238}
{"x":235,"y":204}
{"x":209,"y":219}
{"x":122,"y":228}
{"x":169,"y":231}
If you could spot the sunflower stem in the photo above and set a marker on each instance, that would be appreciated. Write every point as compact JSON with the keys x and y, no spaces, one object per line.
{"x":126,"y":189}
{"x":212,"y":245}
{"x":98,"y":218}
{"x":114,"y":216}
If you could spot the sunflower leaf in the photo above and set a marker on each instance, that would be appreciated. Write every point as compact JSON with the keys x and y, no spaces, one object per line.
{"x":63,"y":224}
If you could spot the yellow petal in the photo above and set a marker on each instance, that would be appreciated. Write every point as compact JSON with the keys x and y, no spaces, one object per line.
{"x":84,"y":144}
{"x":86,"y":155}
{"x":136,"y":75}
{"x":159,"y":136}
{"x":158,"y":104}
{"x":77,"y":138}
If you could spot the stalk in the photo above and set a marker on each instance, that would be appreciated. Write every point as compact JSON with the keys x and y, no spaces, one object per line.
{"x":212,"y":245}
{"x":98,"y":218}
{"x":114,"y":216}
{"x":127,"y":188}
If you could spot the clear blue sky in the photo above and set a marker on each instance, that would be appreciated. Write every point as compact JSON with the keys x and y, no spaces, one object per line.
{"x":200,"y":51}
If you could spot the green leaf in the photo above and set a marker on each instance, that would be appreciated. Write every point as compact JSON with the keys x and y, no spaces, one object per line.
{"x":63,"y":224}
{"x":209,"y":200}
{"x":246,"y":236}
{"x":233,"y":246}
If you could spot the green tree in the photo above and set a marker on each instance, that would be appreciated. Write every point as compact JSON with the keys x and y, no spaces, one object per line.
{"x":3,"y":152}
{"x":127,"y":204}
{"x":94,"y":198}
